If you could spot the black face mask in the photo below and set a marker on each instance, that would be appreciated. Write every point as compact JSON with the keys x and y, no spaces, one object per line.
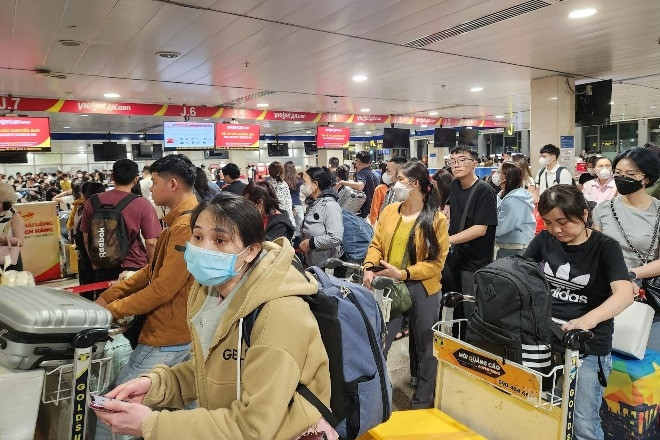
{"x":626,"y":185}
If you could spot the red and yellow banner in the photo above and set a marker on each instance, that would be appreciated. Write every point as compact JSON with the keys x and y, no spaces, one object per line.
{"x":332,"y":137}
{"x":24,"y":134}
{"x":137,"y":109}
{"x":41,"y":249}
{"x":237,"y":136}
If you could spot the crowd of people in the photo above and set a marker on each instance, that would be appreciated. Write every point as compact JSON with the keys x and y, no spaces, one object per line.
{"x":204,"y":252}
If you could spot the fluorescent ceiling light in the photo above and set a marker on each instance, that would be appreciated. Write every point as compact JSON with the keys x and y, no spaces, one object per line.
{"x":582,"y":13}
{"x":424,"y":125}
{"x":554,"y":98}
{"x":206,"y":119}
{"x":367,"y":132}
{"x":308,"y":131}
{"x":360,"y":123}
{"x":112,"y":95}
{"x":83,"y":116}
{"x":297,"y":122}
{"x":611,"y":102}
{"x":433,"y":113}
{"x":476,"y":89}
{"x":124,"y":140}
{"x":262,"y":104}
{"x":652,"y":106}
{"x":499,"y":116}
{"x":360,"y":77}
{"x":70,"y":127}
{"x":365,"y":110}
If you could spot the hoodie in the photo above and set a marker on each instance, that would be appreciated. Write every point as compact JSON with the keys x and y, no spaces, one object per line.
{"x":324,"y":226}
{"x":515,"y":218}
{"x":286,"y":349}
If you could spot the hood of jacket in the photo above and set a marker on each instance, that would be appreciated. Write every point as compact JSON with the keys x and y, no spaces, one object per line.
{"x":330,"y":192}
{"x":522,"y":195}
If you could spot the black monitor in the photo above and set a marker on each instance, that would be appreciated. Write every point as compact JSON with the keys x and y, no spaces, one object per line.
{"x":594,"y":108}
{"x":216,"y":154}
{"x":13,"y":157}
{"x":468,"y":136}
{"x":147,"y":150}
{"x":310,"y":148}
{"x":396,"y":138}
{"x":444,"y":138}
{"x":278,"y":149}
{"x":109,"y":151}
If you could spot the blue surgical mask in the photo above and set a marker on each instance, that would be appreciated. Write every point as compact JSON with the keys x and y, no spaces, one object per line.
{"x":210,"y":268}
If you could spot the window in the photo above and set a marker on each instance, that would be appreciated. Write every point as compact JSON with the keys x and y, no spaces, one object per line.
{"x":627,"y":135}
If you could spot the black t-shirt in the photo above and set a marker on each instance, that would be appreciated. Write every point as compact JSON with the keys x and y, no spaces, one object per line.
{"x":476,"y":253}
{"x":585,"y":177}
{"x":580,"y":278}
{"x":235,"y":187}
{"x":370,"y":183}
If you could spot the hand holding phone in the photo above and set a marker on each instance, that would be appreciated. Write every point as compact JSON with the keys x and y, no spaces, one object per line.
{"x":97,"y":402}
{"x":375,"y":268}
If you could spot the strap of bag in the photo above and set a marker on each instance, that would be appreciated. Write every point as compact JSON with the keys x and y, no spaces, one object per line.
{"x":320,"y":274}
{"x":461,"y":225}
{"x":96,"y":203}
{"x":625,"y":237}
{"x":324,"y":410}
{"x":125,"y":201}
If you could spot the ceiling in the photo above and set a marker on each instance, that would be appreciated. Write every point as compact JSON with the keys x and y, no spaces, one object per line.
{"x":307,"y":51}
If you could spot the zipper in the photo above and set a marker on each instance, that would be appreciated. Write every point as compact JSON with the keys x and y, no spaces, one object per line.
{"x":374,"y":344}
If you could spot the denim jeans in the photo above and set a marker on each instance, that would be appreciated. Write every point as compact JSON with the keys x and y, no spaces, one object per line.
{"x":143,"y":359}
{"x":654,"y":336}
{"x":589,"y":397}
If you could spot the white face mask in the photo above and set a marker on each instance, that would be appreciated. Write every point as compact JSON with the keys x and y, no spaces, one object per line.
{"x":387,"y":179}
{"x":401,"y":191}
{"x":605,"y":173}
{"x":306,"y":190}
{"x":544,"y":162}
{"x":495,"y":178}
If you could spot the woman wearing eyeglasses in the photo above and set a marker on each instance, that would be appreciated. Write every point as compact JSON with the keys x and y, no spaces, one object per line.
{"x":632,"y":218}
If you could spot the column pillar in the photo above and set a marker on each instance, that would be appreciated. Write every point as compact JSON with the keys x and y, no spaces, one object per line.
{"x":550,"y":118}
{"x":642,"y":132}
{"x":413,"y":148}
{"x":524,"y":141}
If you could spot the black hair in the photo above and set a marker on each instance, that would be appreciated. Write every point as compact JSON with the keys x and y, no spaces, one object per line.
{"x":91,"y":188}
{"x":342,"y":173}
{"x":550,"y":149}
{"x":591,"y":160}
{"x":653,"y":147}
{"x":202,"y":184}
{"x":236,"y":214}
{"x":177,"y":166}
{"x":320,"y":175}
{"x":6,"y":206}
{"x":146,"y":168}
{"x":568,"y":199}
{"x":363,"y":156}
{"x":513,"y":177}
{"x":443,"y":179}
{"x":231,"y":170}
{"x":398,"y":160}
{"x":416,"y":171}
{"x":124,"y":171}
{"x":262,"y":192}
{"x":334,"y":162}
{"x":276,"y":171}
{"x":645,"y":159}
{"x":465,"y":149}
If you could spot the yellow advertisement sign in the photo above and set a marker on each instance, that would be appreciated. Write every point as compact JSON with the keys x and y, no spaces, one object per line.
{"x":41,"y":249}
{"x":506,"y":376}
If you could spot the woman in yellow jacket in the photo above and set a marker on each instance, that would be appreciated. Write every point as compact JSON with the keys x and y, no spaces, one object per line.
{"x":411,"y":242}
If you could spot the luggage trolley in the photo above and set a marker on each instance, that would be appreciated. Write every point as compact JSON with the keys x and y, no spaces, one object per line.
{"x":498,"y":398}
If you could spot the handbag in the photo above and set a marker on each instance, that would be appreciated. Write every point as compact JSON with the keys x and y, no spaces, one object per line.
{"x":651,"y":285}
{"x":631,"y":330}
{"x":401,"y":300}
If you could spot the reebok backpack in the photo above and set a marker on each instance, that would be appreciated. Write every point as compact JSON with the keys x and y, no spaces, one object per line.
{"x":351,"y":200}
{"x":353,"y":333}
{"x":357,"y":236}
{"x":512,"y":318}
{"x":108,"y":239}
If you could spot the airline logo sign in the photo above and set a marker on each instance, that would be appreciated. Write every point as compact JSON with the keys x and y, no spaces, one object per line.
{"x":332,"y":137}
{"x":293,"y":116}
{"x":237,"y":136}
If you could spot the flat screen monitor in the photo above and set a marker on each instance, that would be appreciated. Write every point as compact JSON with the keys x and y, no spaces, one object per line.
{"x":109,"y":151}
{"x":189,"y":135}
{"x":147,"y":150}
{"x":468,"y":136}
{"x":24,"y":134}
{"x":13,"y":157}
{"x":278,"y":149}
{"x":444,"y":138}
{"x":396,"y":138}
{"x":310,"y":148}
{"x":594,"y":108}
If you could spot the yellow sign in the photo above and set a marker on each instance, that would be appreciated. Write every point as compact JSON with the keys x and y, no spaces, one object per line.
{"x":504,"y":375}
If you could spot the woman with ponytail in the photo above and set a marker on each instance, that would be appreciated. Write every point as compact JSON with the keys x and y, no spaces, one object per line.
{"x":411,"y":242}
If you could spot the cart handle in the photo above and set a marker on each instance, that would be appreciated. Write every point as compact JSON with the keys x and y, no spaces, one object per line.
{"x":451,"y":299}
{"x":381,"y":283}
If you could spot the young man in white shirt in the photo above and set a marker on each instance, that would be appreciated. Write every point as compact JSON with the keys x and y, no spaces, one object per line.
{"x":551,"y":173}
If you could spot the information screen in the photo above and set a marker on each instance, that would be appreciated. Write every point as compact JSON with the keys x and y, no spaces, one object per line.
{"x":189,"y":135}
{"x":332,"y":137}
{"x":237,"y":136}
{"x":24,"y":134}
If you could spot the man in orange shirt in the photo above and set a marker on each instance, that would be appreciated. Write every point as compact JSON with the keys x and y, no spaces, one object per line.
{"x":383,"y":195}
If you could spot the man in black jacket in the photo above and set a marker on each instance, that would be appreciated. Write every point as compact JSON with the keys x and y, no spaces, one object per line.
{"x":231,"y":173}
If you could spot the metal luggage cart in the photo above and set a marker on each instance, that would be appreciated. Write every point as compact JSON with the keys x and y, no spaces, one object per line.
{"x":380,"y":285}
{"x":498,"y":398}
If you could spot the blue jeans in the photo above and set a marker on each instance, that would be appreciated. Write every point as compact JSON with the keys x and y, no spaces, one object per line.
{"x":143,"y":359}
{"x":654,"y":336}
{"x":589,"y":397}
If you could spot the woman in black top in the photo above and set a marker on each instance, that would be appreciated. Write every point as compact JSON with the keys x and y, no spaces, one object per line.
{"x":590,"y":286}
{"x":276,"y":223}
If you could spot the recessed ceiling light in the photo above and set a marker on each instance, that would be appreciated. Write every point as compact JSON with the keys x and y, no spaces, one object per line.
{"x":652,"y":106}
{"x":424,"y":125}
{"x":70,"y":43}
{"x":554,"y":98}
{"x":297,"y":122}
{"x":66,"y":127}
{"x":360,"y":123}
{"x":611,"y":102}
{"x":365,"y":110}
{"x":499,"y":116}
{"x":582,"y":13}
{"x":367,"y":132}
{"x":124,"y":140}
{"x":207,"y":119}
{"x":168,"y":54}
{"x":360,"y":77}
{"x":262,"y":104}
{"x":433,"y":113}
{"x":112,"y":95}
{"x":83,"y":116}
{"x":308,"y":131}
{"x":476,"y":89}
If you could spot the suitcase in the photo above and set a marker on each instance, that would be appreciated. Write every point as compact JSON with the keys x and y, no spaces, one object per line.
{"x":351,"y":200}
{"x":38,"y":324}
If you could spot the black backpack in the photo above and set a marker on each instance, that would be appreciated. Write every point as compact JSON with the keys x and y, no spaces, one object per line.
{"x":513,"y":313}
{"x":108,"y":242}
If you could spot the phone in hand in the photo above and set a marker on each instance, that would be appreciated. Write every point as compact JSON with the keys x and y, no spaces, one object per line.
{"x":97,"y":402}
{"x":375,"y":268}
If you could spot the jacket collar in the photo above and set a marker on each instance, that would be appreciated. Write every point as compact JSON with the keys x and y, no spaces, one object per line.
{"x":187,"y":204}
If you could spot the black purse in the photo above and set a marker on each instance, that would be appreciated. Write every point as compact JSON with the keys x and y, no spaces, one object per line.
{"x":651,"y":285}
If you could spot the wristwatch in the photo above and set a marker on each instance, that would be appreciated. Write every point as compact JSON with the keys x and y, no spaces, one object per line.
{"x":632,"y":275}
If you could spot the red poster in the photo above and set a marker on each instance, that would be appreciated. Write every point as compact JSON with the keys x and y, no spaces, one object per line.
{"x":332,"y":137}
{"x":24,"y":134}
{"x":236,"y":136}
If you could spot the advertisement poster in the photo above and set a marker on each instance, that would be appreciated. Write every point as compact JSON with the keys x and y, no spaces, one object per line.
{"x":41,"y":250}
{"x":332,"y":137}
{"x":237,"y":136}
{"x":24,"y":134}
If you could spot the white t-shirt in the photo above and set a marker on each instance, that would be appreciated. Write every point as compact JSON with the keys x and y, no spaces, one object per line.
{"x":548,"y":178}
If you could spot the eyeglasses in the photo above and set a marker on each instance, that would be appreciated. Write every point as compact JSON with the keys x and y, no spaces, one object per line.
{"x":462,"y":161}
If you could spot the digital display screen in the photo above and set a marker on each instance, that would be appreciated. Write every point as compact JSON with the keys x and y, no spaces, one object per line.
{"x":189,"y":135}
{"x":24,"y":134}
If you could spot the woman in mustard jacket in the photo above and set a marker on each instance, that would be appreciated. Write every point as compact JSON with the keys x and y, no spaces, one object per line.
{"x":411,"y":241}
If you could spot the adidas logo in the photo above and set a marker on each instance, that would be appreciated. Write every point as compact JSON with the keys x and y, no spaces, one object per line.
{"x":563,"y":285}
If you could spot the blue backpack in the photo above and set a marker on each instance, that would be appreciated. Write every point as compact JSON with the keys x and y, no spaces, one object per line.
{"x":353,"y":333}
{"x":357,"y":236}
